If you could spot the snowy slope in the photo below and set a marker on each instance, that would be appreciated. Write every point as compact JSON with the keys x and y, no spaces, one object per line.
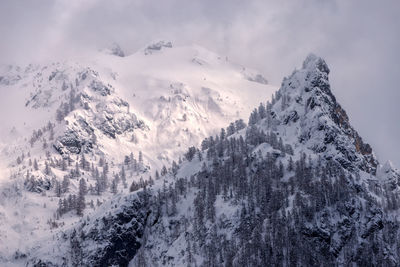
{"x":106,"y":106}
{"x":297,"y":187}
{"x":335,"y":205}
{"x":175,"y":91}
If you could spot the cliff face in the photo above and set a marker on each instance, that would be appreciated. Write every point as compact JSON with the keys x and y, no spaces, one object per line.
{"x":320,"y":122}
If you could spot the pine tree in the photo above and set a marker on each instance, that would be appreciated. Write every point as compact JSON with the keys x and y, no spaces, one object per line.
{"x":83,"y":162}
{"x":101,"y":162}
{"x":65,"y":184}
{"x":134,"y":186}
{"x":72,"y":100}
{"x":63,"y":165}
{"x":76,"y":249}
{"x":290,"y":164}
{"x":231,"y":129}
{"x":98,"y":187}
{"x":173,"y":196}
{"x":262,"y":111}
{"x":80,"y":202}
{"x":164,"y":171}
{"x":51,"y":134}
{"x":174,"y":168}
{"x":123,"y":176}
{"x":190,"y":153}
{"x":239,"y":124}
{"x":65,"y":206}
{"x":47,"y":169}
{"x":199,"y":217}
{"x":58,"y":189}
{"x":140,"y":158}
{"x":35,"y":165}
{"x":199,"y":155}
{"x":59,"y":114}
{"x":222,"y":134}
{"x":204,"y":144}
{"x":103,"y":181}
{"x":114,"y":186}
{"x":254,"y":117}
{"x":77,"y":172}
{"x":60,"y":209}
{"x":127,"y":160}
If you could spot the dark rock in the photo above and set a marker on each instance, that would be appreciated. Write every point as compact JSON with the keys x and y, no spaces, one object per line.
{"x":118,"y":236}
{"x":69,"y":142}
{"x":99,"y":87}
{"x":293,"y":116}
{"x":37,"y":185}
{"x":157,"y":46}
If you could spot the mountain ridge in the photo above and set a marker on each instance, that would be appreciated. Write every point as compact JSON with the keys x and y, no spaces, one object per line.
{"x":296,"y":186}
{"x":62,"y":119}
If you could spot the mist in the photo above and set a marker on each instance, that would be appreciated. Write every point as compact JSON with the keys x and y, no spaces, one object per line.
{"x":359,"y":40}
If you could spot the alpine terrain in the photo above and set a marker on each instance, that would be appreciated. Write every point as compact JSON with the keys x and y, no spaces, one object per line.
{"x":149,"y":160}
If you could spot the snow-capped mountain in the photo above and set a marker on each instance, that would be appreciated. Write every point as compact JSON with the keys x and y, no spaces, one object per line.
{"x":59,"y":119}
{"x":184,"y":92}
{"x":297,"y":186}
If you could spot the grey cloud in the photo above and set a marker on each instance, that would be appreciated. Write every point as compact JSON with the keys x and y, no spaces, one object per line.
{"x":359,"y":40}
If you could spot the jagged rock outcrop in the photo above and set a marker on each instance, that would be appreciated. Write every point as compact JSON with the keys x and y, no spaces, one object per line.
{"x":258,"y":78}
{"x":116,"y":50}
{"x":104,"y":113}
{"x":113,"y":239}
{"x":157,"y":46}
{"x":324,"y":126}
{"x":110,"y":238}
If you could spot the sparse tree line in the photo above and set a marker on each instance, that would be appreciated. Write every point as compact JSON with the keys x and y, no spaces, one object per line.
{"x":93,"y":177}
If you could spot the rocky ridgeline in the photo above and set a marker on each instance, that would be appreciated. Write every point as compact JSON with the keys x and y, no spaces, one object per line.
{"x":297,"y":187}
{"x":157,"y":46}
{"x":89,"y":108}
{"x":306,"y":103}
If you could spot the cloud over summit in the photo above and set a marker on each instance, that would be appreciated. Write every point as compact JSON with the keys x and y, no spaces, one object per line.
{"x":358,"y":39}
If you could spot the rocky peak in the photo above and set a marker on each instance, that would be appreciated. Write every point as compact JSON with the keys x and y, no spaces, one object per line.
{"x":313,"y":62}
{"x":115,"y":49}
{"x":388,"y":172}
{"x":157,"y":46}
{"x":305,"y":102}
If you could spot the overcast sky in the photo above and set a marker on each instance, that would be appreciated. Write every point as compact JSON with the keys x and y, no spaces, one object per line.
{"x":360,"y":41}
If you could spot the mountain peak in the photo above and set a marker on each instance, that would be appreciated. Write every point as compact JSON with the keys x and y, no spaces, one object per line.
{"x":312,"y":77}
{"x":313,"y":62}
{"x":306,"y":104}
{"x":114,"y":49}
{"x":157,"y":46}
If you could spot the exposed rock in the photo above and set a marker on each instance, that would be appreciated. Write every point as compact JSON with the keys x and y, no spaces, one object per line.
{"x":116,"y":50}
{"x":150,"y":49}
{"x":117,"y":236}
{"x":258,"y":78}
{"x":99,"y":87}
{"x":322,"y":113}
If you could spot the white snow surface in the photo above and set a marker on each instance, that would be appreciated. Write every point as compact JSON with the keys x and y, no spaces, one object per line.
{"x":181,"y":94}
